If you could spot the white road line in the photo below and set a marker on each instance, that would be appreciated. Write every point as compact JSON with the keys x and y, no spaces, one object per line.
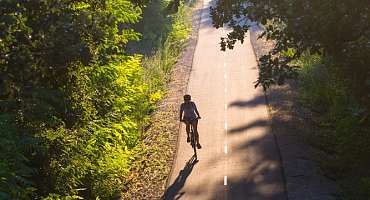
{"x":225,"y":149}
{"x":225,"y":106}
{"x":224,"y":64}
{"x":225,"y":90}
{"x":226,"y":126}
{"x":225,"y":76}
{"x":225,"y":180}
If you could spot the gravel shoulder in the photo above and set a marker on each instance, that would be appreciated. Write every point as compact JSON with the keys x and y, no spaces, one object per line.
{"x":292,"y":125}
{"x":152,"y":167}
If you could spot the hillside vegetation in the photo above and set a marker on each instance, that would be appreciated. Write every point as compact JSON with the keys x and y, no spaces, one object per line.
{"x":73,"y":101}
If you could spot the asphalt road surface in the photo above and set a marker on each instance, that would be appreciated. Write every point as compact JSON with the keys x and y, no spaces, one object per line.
{"x":239,"y":158}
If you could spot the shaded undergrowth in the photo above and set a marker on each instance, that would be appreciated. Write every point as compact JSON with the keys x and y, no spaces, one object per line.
{"x":341,"y":126}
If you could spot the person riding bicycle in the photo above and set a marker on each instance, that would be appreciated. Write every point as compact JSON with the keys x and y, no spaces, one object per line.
{"x":189,"y":115}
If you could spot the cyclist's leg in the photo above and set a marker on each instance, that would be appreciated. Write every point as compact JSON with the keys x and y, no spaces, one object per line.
{"x":187,"y":130}
{"x":195,"y":127}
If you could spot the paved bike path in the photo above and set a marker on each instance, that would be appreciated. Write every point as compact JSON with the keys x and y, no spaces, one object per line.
{"x":239,"y":158}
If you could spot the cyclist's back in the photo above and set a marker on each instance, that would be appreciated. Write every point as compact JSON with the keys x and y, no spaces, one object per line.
{"x":189,"y":109}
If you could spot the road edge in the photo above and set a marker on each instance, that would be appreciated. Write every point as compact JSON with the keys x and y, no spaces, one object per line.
{"x":253,"y":34}
{"x":185,"y":61}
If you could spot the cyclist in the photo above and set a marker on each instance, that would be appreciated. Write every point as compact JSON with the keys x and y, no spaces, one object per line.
{"x":189,"y":115}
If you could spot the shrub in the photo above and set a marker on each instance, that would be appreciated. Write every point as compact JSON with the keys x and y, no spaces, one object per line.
{"x":342,"y":128}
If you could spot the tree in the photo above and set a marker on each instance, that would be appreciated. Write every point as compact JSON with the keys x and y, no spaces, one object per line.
{"x":336,"y":34}
{"x":66,"y":95}
{"x":45,"y":43}
{"x":338,"y":30}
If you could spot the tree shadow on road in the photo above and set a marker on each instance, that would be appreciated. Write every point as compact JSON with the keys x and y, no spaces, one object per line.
{"x":259,"y":100}
{"x":172,"y":192}
{"x":257,"y":174}
{"x":262,"y":179}
{"x":257,"y":123}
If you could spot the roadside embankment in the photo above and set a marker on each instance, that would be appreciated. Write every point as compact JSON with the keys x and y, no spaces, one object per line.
{"x":153,"y":164}
{"x":292,"y":124}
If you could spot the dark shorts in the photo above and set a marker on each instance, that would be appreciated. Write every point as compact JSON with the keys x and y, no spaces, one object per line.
{"x":188,"y":120}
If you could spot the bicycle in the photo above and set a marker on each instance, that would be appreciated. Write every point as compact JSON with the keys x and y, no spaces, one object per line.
{"x":193,"y":141}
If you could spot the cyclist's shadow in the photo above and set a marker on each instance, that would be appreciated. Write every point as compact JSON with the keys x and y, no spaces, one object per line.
{"x":172,"y":192}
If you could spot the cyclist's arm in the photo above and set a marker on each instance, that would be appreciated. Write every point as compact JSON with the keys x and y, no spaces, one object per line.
{"x":196,"y":110}
{"x":181,"y":111}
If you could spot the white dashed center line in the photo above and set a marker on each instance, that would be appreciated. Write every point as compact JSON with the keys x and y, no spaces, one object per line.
{"x":226,"y":85}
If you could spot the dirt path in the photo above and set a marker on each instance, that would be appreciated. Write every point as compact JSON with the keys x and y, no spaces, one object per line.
{"x":239,"y":158}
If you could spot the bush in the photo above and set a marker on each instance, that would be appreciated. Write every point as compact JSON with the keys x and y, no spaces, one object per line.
{"x":158,"y":65}
{"x":15,"y":171}
{"x":342,"y":128}
{"x":72,"y":103}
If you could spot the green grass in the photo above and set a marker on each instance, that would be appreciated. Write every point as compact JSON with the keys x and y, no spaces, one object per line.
{"x":158,"y":66}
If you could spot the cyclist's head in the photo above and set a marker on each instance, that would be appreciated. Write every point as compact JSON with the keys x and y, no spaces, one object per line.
{"x":187,"y":97}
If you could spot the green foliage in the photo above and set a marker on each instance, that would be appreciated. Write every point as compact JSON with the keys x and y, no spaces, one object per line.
{"x":157,"y":68}
{"x":163,"y":38}
{"x":154,"y":27}
{"x":343,"y":130}
{"x":91,"y":160}
{"x":321,"y":28}
{"x":73,"y":105}
{"x":158,"y":65}
{"x":176,"y":39}
{"x":158,"y":26}
{"x":15,"y":172}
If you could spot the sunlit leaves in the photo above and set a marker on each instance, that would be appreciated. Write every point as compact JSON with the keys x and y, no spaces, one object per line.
{"x":315,"y":26}
{"x":72,"y":90}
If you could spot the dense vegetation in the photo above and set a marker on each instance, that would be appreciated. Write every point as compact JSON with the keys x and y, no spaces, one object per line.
{"x":326,"y":43}
{"x":72,"y":101}
{"x":341,"y":129}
